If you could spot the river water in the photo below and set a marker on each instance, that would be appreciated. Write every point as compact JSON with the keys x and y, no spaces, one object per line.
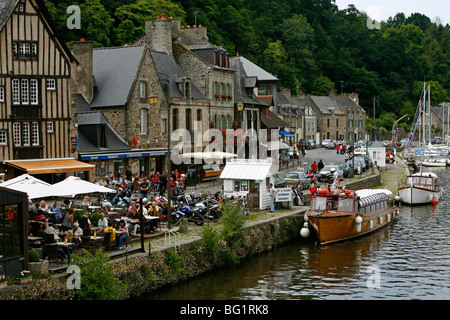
{"x":409,"y":259}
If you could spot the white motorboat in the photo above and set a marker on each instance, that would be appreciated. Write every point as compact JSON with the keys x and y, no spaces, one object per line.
{"x":435,"y":163}
{"x":420,"y":188}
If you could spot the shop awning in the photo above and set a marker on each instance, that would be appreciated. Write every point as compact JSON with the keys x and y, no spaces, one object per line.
{"x":286,"y":134}
{"x":50,"y":165}
{"x":248,"y":169}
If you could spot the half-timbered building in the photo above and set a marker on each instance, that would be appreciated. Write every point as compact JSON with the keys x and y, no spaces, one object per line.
{"x":35,"y":95}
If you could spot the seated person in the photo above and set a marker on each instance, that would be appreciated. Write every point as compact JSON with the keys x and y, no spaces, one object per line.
{"x":102,"y":223}
{"x":39,"y":215}
{"x":77,"y":233}
{"x":57,"y":215}
{"x":154,"y":210}
{"x":50,"y":230}
{"x":112,"y":231}
{"x":123,"y":227}
{"x":85,"y":224}
{"x":134,"y":215}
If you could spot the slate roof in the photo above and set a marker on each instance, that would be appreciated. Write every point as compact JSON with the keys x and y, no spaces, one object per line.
{"x":271,"y":120}
{"x":326,"y":104}
{"x":243,"y":83}
{"x":87,"y":124}
{"x":252,"y":69}
{"x":6,"y":9}
{"x":346,"y":101}
{"x":169,"y":70}
{"x":114,"y":72}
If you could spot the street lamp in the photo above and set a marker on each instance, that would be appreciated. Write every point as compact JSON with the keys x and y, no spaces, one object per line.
{"x":153,"y":99}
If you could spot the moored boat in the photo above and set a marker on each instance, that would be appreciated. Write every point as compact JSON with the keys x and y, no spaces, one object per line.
{"x":420,"y":188}
{"x":435,"y":163}
{"x":342,"y":216}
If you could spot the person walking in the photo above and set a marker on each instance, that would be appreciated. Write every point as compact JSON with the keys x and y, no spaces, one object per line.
{"x":272,"y":193}
{"x":320,"y":165}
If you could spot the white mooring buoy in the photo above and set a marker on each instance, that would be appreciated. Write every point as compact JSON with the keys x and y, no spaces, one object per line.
{"x":304,"y":232}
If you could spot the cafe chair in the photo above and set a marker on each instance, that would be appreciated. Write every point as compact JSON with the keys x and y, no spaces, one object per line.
{"x":86,"y":243}
{"x":49,"y":238}
{"x":107,"y":243}
{"x":52,"y":253}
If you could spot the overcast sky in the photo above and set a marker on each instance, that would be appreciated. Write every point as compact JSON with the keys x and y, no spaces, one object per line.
{"x":384,"y":9}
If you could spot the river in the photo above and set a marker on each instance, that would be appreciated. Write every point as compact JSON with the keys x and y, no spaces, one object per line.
{"x":409,"y":259}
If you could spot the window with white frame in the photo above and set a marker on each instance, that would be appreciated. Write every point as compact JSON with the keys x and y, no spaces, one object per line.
{"x":51,"y":84}
{"x":3,"y":138}
{"x":34,"y":91}
{"x":25,"y":91}
{"x":25,"y":50}
{"x":163,"y":125}
{"x":142,"y":89}
{"x":16,"y":91}
{"x":50,"y":127}
{"x":26,"y":134}
{"x":35,"y":133}
{"x":17,"y":134}
{"x":2,"y":94}
{"x":144,"y":121}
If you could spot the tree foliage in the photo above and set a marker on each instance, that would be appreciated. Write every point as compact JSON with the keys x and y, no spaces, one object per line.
{"x":302,"y":42}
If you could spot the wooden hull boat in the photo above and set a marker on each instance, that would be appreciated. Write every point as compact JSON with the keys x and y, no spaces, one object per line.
{"x":338,"y":217}
{"x":420,"y":188}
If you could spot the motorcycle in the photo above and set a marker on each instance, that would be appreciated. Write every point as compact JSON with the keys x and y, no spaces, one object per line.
{"x":192,"y":215}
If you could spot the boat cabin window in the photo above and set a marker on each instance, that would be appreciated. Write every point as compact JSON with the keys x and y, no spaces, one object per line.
{"x":345,"y":204}
{"x":420,"y":181}
{"x":319,"y":203}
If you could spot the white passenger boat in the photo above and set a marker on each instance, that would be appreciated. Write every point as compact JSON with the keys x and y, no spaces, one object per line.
{"x":420,"y":188}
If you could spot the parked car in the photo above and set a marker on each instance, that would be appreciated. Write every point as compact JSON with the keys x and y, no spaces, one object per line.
{"x":325,"y":142}
{"x":325,"y":175}
{"x":331,"y":145}
{"x":296,"y":177}
{"x":312,"y":144}
{"x":279,"y":183}
{"x":348,"y":170}
{"x":364,"y":164}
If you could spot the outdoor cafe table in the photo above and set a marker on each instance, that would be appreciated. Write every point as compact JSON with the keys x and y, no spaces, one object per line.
{"x":94,"y":208}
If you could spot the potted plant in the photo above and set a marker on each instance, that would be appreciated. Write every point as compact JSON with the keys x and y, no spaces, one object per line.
{"x":3,"y":282}
{"x":24,"y":277}
{"x":36,"y":264}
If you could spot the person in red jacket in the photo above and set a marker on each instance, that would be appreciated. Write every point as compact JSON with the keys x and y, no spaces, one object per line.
{"x":314,"y":166}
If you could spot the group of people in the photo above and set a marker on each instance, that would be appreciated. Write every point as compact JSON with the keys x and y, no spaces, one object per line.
{"x":156,"y":183}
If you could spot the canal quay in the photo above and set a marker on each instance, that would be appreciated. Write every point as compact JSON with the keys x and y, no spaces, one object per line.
{"x":262,"y":220}
{"x":407,"y":260}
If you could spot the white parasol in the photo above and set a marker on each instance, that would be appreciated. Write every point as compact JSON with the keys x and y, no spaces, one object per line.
{"x":34,"y":187}
{"x":72,"y":186}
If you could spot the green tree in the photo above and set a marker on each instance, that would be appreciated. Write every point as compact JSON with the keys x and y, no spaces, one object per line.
{"x":322,"y":86}
{"x":131,"y":18}
{"x":97,"y":279}
{"x":96,"y":23}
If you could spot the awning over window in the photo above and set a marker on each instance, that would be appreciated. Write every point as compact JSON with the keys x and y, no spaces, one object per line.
{"x":51,"y":166}
{"x":286,"y":134}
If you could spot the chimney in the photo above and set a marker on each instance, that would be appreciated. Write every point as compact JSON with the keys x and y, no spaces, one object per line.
{"x":160,"y":34}
{"x":84,"y":78}
{"x":332,"y":94}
